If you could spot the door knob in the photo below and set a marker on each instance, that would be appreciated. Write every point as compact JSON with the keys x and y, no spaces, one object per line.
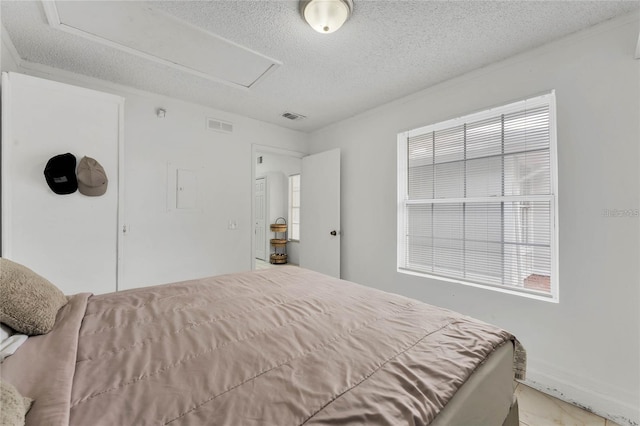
{"x":334,"y":233}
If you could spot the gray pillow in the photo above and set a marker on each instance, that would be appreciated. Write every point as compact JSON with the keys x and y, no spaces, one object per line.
{"x":29,"y":303}
{"x":14,"y":406}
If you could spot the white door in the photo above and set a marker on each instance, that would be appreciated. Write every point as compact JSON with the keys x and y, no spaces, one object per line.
{"x":72,"y":240}
{"x":260,"y":240}
{"x":320,"y":213}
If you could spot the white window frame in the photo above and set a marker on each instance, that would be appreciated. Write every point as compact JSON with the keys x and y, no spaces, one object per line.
{"x":403,"y":199}
{"x":291,"y":207}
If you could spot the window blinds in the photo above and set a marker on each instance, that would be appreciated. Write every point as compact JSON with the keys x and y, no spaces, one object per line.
{"x":477,"y":201}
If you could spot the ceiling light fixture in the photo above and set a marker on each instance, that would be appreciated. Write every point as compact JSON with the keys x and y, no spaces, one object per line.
{"x":326,"y":16}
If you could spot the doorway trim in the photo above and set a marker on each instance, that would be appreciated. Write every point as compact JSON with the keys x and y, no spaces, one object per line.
{"x":265,"y":201}
{"x":266,"y":149}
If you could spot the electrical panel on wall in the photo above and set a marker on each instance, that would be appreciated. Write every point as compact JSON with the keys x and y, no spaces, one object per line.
{"x":186,"y":189}
{"x":182,"y":188}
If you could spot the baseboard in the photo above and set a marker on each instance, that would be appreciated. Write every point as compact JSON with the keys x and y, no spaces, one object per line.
{"x":624,"y":409}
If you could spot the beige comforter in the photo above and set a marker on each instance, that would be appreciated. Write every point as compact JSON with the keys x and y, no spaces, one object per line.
{"x":285,"y":346}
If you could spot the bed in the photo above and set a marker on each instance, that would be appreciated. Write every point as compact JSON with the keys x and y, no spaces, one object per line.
{"x":283,"y":346}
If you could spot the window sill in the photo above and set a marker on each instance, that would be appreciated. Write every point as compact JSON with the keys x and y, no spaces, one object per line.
{"x":524,"y":292}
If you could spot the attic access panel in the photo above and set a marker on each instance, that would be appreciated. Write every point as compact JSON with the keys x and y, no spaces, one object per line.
{"x":136,"y":28}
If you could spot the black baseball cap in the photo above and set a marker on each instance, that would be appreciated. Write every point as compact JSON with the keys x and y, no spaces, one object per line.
{"x":60,"y":173}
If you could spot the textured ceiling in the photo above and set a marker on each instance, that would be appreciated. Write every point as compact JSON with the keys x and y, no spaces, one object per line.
{"x":388,"y":49}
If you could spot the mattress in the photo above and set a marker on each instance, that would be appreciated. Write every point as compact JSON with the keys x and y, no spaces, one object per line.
{"x":487,"y":396}
{"x":284,"y":346}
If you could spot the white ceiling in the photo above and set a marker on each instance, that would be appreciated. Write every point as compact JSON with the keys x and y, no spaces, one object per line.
{"x":387,"y":50}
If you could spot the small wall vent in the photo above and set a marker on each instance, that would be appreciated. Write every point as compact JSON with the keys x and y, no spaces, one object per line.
{"x":293,"y":116}
{"x":219,"y":125}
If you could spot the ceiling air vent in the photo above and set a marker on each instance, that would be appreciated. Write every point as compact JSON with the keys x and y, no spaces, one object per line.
{"x":293,"y":116}
{"x":219,"y":126}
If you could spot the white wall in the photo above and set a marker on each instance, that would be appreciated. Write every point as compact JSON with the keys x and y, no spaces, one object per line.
{"x":586,"y":348}
{"x":168,"y":246}
{"x":48,"y":232}
{"x":8,"y":55}
{"x":164,"y":245}
{"x":287,"y":164}
{"x":8,"y":62}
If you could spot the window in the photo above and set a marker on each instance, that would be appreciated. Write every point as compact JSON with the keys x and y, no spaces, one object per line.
{"x":294,"y":208}
{"x":477,"y":199}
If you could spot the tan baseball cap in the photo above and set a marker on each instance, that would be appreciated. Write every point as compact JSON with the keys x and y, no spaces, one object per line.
{"x":92,"y":179}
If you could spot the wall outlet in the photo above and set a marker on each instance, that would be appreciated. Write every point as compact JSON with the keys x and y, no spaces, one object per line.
{"x":232,"y":225}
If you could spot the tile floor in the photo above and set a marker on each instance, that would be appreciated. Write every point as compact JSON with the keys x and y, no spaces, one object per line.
{"x":536,"y":408}
{"x":539,"y":409}
{"x":261,"y":264}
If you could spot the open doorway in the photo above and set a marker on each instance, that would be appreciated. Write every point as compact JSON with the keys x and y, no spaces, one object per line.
{"x":319,"y":208}
{"x":272,"y":201}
